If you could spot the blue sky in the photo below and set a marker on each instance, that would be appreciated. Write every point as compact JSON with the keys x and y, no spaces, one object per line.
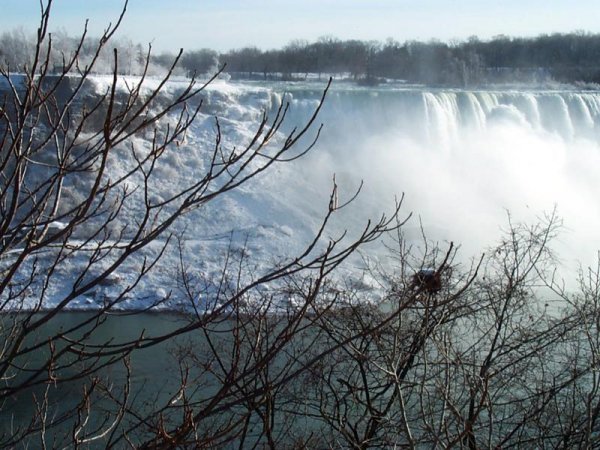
{"x":225,"y":24}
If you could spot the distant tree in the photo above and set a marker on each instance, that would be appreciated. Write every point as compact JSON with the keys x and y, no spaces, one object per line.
{"x":161,"y":62}
{"x":246,"y":60}
{"x":391,"y":61}
{"x":295,"y":58}
{"x":484,"y":362}
{"x":200,"y":61}
{"x":357,"y":57}
{"x":16,"y":49}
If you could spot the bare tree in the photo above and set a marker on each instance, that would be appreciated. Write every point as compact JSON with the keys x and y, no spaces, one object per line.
{"x":61,"y":211}
{"x":497,"y":356}
{"x":15,"y":48}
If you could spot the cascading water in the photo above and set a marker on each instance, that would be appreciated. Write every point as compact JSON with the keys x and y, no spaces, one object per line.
{"x":462,"y":159}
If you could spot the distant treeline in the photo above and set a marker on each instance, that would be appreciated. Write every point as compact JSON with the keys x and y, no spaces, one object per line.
{"x":568,"y":58}
{"x":573,"y":57}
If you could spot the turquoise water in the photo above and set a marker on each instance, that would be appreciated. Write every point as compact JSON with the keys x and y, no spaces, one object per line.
{"x":155,"y":373}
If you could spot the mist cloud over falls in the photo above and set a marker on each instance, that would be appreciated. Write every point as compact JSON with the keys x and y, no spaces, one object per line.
{"x":465,"y":159}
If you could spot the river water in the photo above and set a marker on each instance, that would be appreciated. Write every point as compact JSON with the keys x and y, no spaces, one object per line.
{"x":155,"y":374}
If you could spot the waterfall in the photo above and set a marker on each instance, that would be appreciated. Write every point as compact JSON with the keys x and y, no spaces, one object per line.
{"x":464,"y":158}
{"x":461,"y":158}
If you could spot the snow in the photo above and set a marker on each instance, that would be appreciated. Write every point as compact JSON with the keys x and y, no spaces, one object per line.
{"x":257,"y":221}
